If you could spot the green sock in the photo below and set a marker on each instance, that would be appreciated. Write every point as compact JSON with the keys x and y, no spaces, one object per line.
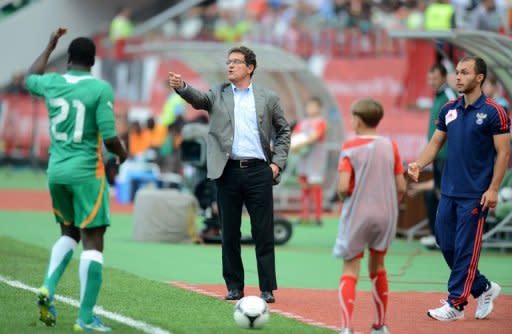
{"x":91,"y":272}
{"x":62,"y":252}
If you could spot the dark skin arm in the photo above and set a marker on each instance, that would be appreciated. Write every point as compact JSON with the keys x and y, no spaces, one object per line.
{"x":116,"y":146}
{"x":40,"y":63}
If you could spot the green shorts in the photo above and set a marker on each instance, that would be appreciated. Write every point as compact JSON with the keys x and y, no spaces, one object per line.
{"x":86,"y":205}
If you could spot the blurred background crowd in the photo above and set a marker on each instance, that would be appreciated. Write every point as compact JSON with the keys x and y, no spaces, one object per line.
{"x":347,"y":45}
{"x":327,"y":27}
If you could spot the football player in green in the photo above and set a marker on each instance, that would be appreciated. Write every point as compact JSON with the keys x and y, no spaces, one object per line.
{"x":81,"y":120}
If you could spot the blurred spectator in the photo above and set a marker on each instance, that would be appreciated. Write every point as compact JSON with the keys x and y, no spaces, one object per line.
{"x":359,"y":19}
{"x":232,"y":5}
{"x":121,"y":26}
{"x":155,"y":132}
{"x":169,"y":155}
{"x":504,"y":205}
{"x":437,"y":80}
{"x":492,"y":89}
{"x":192,"y":23}
{"x":275,"y":24}
{"x":138,"y":140}
{"x":257,"y":8}
{"x":17,"y":85}
{"x":308,"y":141}
{"x":485,"y":17}
{"x":230,"y":27}
{"x":341,"y":8}
{"x":173,"y":107}
{"x":416,"y":16}
{"x":400,"y":17}
{"x":209,"y":16}
{"x":360,"y":15}
{"x":439,"y":15}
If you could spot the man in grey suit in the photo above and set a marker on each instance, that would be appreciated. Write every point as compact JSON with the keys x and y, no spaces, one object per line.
{"x":244,"y":120}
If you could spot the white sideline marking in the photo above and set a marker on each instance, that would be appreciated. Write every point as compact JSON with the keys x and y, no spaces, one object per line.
{"x":272,"y":310}
{"x":137,"y":324}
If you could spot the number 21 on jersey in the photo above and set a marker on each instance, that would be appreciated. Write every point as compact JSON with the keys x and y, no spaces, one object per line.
{"x":63,"y":115}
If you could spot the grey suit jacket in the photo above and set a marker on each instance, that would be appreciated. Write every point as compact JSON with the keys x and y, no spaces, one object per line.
{"x":219,"y":102}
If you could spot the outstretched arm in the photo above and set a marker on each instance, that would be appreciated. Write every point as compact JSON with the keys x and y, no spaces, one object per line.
{"x":194,"y":97}
{"x":39,"y":64}
{"x":427,"y":155}
{"x":175,"y":81}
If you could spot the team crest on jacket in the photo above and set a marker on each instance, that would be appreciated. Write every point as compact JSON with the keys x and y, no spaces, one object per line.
{"x":451,"y":115}
{"x":480,"y":118}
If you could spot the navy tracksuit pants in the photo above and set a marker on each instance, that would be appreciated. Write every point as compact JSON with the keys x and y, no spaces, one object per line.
{"x":459,"y":229}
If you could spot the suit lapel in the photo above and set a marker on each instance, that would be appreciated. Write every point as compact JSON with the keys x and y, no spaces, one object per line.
{"x":229,"y":102}
{"x":259,"y":104}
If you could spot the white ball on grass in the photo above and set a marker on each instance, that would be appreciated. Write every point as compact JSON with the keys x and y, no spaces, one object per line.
{"x":251,"y":312}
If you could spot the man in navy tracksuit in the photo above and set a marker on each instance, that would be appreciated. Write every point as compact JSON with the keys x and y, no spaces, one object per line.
{"x":477,"y":129}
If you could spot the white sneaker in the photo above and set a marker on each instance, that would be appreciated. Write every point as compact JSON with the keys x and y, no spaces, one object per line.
{"x":346,"y":331}
{"x":382,"y":330}
{"x":429,"y":241}
{"x":445,"y":312}
{"x":485,"y":301}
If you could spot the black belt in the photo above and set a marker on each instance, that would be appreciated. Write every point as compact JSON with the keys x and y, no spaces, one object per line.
{"x":245,"y":163}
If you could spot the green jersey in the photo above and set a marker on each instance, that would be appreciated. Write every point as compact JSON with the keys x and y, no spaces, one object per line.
{"x":443,"y":95}
{"x":80,"y":110}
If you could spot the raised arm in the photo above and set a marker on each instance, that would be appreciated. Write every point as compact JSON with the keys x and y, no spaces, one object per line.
{"x":40,"y":63}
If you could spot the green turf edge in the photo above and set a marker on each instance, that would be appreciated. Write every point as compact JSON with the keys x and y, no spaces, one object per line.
{"x":156,"y":303}
{"x":305,"y":262}
{"x":23,"y":179}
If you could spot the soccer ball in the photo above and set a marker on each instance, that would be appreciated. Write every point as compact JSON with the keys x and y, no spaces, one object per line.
{"x":251,"y":312}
